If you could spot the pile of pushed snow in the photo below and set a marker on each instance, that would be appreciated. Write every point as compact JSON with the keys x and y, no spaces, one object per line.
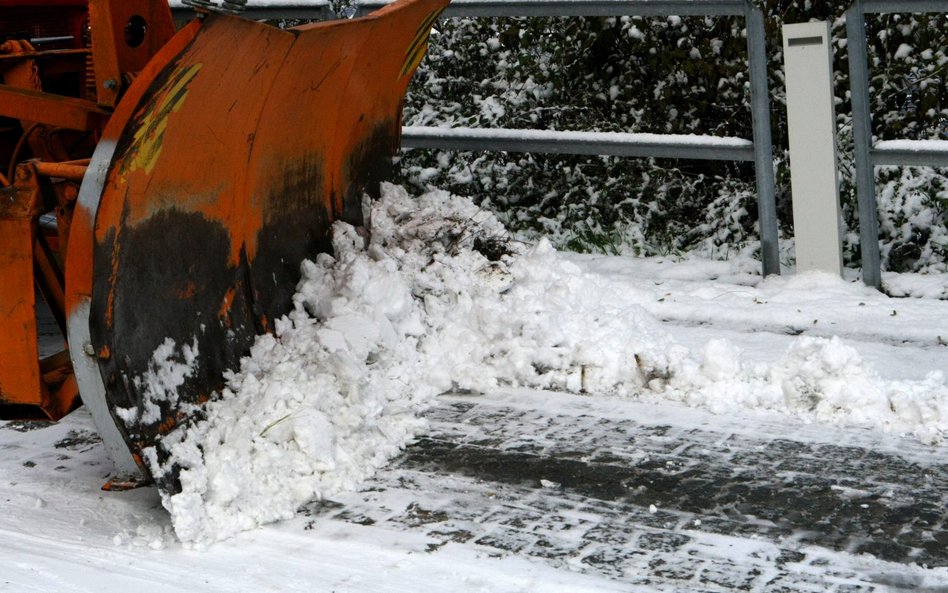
{"x":816,"y":379}
{"x":410,"y":309}
{"x":433,"y":298}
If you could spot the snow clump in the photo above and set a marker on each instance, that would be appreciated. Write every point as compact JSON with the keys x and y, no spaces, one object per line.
{"x":816,"y":379}
{"x":167,"y":371}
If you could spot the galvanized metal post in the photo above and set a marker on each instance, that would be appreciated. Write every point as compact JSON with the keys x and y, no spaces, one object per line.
{"x":763,"y":144}
{"x":862,"y":143}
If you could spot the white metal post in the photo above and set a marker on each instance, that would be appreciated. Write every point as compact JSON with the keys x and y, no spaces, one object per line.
{"x":811,"y":123}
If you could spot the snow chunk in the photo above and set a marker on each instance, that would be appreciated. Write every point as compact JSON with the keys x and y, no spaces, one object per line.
{"x":167,"y":371}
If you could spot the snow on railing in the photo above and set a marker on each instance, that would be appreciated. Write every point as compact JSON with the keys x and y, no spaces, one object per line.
{"x":910,"y":152}
{"x":687,"y":146}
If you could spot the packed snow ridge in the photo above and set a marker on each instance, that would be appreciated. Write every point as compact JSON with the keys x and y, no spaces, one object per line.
{"x":431,"y":297}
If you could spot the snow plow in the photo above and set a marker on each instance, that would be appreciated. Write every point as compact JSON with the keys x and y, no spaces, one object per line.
{"x":163,"y":188}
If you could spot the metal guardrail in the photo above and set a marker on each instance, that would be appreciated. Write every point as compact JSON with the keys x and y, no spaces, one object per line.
{"x":911,"y":153}
{"x":321,"y":9}
{"x":710,"y":148}
{"x":866,"y":155}
{"x":497,"y":8}
{"x":759,"y":150}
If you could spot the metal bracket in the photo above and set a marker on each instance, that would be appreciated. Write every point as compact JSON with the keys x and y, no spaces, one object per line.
{"x":226,"y":7}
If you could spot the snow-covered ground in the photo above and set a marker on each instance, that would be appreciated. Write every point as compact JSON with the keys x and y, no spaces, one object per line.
{"x":434,"y":301}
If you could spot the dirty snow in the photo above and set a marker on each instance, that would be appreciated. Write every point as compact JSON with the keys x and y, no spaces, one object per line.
{"x":414,"y":308}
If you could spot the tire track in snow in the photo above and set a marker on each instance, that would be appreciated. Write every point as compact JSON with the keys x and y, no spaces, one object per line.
{"x":670,"y":506}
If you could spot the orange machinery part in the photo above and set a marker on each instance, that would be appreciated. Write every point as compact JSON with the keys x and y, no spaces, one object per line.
{"x":126,"y":34}
{"x":28,"y":386}
{"x":224,"y":155}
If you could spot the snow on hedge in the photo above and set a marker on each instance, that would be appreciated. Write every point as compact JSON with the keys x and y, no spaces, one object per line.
{"x":435,"y":298}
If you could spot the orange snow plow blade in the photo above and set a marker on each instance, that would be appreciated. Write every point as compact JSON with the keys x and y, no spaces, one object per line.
{"x":222,"y":168}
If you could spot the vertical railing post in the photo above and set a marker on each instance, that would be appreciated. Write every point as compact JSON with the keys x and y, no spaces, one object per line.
{"x":862,"y":142}
{"x":763,"y":145}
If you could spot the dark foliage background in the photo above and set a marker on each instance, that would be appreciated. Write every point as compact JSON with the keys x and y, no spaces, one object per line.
{"x":680,"y":76}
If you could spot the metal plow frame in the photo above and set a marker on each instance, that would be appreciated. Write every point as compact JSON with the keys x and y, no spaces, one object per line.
{"x":222,"y":168}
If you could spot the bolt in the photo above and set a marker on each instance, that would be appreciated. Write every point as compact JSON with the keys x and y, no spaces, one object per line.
{"x":88,"y":349}
{"x":110,"y":84}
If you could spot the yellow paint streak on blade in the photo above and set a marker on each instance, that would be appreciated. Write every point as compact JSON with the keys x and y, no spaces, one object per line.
{"x":146,"y":145}
{"x":419,"y":45}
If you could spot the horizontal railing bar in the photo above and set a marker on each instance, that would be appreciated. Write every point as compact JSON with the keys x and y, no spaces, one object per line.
{"x":500,"y":8}
{"x":917,"y":153}
{"x":881,"y":6}
{"x":588,"y":143}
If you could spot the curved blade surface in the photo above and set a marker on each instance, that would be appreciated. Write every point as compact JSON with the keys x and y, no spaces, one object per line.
{"x":238,"y":155}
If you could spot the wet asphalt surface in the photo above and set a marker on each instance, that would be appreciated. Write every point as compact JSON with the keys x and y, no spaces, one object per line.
{"x":666,"y":507}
